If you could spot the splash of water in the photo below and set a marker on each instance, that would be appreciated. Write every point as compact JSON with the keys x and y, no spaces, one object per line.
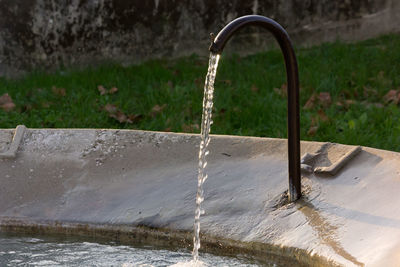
{"x":205,"y":140}
{"x":191,"y":263}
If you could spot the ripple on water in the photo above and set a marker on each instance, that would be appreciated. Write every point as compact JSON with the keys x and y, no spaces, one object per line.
{"x":19,"y":251}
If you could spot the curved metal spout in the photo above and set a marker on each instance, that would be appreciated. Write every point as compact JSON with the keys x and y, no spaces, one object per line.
{"x":293,"y":88}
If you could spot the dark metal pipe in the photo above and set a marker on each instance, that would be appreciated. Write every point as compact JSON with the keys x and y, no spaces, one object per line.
{"x":293,"y":112}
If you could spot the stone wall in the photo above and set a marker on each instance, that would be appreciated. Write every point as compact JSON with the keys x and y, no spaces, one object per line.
{"x":48,"y":34}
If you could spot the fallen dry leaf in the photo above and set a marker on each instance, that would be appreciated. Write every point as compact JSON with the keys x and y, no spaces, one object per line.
{"x":312,"y":131}
{"x":8,"y":106}
{"x":113,"y":90}
{"x":345,"y":103}
{"x":282,"y":91}
{"x":157,"y":109}
{"x":190,"y":128}
{"x":135,"y":117}
{"x":102,"y":89}
{"x":322,"y":115}
{"x":314,"y":121}
{"x":254,"y":88}
{"x":6,"y":102}
{"x":120,"y":116}
{"x":325,"y":99}
{"x":392,"y":96}
{"x":110,"y":108}
{"x":368,"y":104}
{"x":310,"y":102}
{"x":6,"y":98}
{"x":349,"y":102}
{"x":58,"y":91}
{"x":369,"y":92}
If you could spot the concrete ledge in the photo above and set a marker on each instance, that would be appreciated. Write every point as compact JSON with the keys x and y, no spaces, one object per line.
{"x":134,"y":179}
{"x":16,"y":140}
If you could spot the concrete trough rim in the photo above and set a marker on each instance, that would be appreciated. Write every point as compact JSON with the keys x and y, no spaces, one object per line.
{"x":344,"y":217}
{"x":198,"y":135}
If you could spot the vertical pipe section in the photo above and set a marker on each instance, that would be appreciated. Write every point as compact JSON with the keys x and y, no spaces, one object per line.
{"x":293,"y":111}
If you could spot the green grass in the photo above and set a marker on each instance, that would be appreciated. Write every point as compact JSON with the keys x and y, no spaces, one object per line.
{"x":245,"y":102}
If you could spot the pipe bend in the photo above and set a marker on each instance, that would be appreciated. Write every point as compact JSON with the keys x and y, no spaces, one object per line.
{"x":251,"y":20}
{"x":293,"y":118}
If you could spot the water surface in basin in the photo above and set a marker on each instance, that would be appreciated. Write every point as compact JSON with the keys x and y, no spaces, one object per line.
{"x":52,"y":251}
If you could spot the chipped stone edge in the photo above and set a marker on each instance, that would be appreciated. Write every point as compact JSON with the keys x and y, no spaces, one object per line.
{"x":17,"y":138}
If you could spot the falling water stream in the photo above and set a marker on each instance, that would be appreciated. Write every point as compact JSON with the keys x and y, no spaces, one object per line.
{"x":203,"y":152}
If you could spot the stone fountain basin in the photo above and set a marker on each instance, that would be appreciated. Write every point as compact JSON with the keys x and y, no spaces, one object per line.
{"x":120,"y":181}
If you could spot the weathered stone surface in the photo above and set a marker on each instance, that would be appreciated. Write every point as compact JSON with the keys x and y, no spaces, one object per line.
{"x":49,"y":34}
{"x":134,"y":178}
